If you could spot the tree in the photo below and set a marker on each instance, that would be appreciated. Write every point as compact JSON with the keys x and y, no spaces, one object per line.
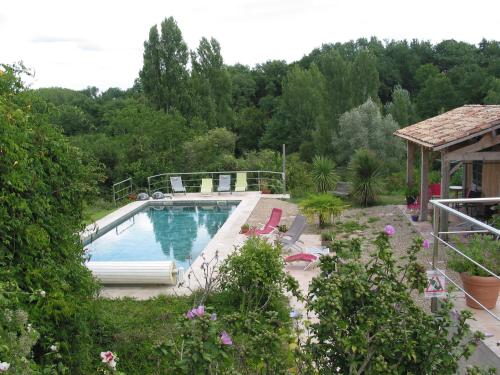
{"x":493,"y":96}
{"x":401,"y":108}
{"x":300,"y":112}
{"x":338,"y":98}
{"x":436,"y":96}
{"x":164,"y":74}
{"x":209,"y":70}
{"x":365,"y":127}
{"x":364,"y":78}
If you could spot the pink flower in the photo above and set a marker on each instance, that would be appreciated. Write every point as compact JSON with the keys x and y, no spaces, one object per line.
{"x":200,"y":311}
{"x":191,"y":314}
{"x":225,"y":338}
{"x":389,"y":230}
{"x":426,"y":244}
{"x":110,"y":359}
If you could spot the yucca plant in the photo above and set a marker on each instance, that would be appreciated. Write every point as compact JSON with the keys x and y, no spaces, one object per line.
{"x":323,"y":172}
{"x":365,"y":176}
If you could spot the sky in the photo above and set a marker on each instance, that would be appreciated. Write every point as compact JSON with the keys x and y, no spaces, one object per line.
{"x":80,"y":43}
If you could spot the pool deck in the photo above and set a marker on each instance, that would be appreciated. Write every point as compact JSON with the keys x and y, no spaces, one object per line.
{"x":222,"y":244}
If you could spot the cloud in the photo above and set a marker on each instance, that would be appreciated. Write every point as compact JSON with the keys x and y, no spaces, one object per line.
{"x":80,"y":43}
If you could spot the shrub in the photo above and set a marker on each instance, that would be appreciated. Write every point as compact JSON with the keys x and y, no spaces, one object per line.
{"x":44,"y":183}
{"x":253,"y":277}
{"x":369,"y":323}
{"x":325,"y":207}
{"x":323,"y":173}
{"x":365,"y":176}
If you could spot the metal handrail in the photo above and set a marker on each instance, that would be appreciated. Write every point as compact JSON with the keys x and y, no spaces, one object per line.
{"x":128,"y":188}
{"x":442,"y":204}
{"x":160,"y":181}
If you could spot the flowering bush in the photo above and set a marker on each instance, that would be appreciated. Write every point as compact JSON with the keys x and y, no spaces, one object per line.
{"x":368,"y":322}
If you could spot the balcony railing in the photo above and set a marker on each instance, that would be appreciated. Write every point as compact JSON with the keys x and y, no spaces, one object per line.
{"x":445,"y":207}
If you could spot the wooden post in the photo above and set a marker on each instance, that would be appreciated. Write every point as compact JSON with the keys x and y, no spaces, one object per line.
{"x":410,"y":151}
{"x":445,"y":188}
{"x":424,"y":184}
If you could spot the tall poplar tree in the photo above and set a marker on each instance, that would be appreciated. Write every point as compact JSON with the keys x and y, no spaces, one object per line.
{"x":364,"y":78}
{"x":164,"y":74}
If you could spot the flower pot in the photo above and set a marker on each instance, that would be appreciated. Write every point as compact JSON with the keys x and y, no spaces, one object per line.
{"x":266,"y":191}
{"x":484,"y":289}
{"x":245,"y":230}
{"x":410,"y":200}
{"x":326,"y":243}
{"x":414,"y":217}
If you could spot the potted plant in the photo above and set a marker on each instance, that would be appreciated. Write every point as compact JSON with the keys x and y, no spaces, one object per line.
{"x":282,"y":228}
{"x":411,"y":195}
{"x":485,"y":250}
{"x":264,"y":186}
{"x":327,"y":238}
{"x":245,"y":228}
{"x":414,"y":212}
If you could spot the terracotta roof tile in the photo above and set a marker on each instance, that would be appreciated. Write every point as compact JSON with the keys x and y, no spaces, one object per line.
{"x":459,"y":123}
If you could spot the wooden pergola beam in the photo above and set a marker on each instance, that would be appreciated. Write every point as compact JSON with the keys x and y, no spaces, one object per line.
{"x":424,"y":183}
{"x":485,"y":156}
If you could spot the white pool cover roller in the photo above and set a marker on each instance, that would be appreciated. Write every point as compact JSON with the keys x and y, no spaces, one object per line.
{"x":134,"y":272}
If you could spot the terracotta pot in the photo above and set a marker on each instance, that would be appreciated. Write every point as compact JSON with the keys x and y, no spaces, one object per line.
{"x":266,"y":191}
{"x":484,"y":289}
{"x":244,"y":230}
{"x":325,"y":243}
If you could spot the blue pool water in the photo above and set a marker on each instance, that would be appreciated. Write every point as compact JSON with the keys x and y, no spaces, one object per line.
{"x":161,"y":233}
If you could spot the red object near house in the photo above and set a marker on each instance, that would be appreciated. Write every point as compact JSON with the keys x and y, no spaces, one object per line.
{"x":435,"y":190}
{"x":304,"y":257}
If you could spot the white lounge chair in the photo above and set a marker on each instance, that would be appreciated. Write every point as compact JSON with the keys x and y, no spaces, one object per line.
{"x":177,"y":186}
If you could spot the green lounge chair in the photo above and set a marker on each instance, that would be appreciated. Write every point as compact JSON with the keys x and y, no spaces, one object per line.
{"x":207,"y":186}
{"x":241,"y":182}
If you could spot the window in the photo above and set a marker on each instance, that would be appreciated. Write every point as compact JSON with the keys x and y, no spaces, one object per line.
{"x":477,"y":175}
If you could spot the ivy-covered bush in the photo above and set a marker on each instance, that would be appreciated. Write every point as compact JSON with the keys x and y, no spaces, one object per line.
{"x":368,"y":323}
{"x":43,"y":185}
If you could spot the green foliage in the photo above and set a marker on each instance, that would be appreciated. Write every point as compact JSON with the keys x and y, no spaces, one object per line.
{"x":253,"y":277}
{"x":298,"y":176}
{"x":401,"y":108}
{"x":164,"y":73}
{"x":365,"y":127}
{"x":44,"y":183}
{"x":484,"y":249}
{"x":365,"y":176}
{"x":324,"y":207}
{"x":369,"y":323}
{"x":323,"y":173}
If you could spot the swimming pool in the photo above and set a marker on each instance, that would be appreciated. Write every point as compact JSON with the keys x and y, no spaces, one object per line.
{"x":177,"y":232}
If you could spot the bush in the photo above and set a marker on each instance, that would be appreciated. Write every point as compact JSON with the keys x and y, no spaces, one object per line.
{"x":253,"y":277}
{"x":369,"y":323}
{"x":323,"y":173}
{"x":365,"y":176}
{"x":325,"y":207}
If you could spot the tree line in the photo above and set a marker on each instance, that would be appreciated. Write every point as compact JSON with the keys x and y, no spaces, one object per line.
{"x":188,"y":111}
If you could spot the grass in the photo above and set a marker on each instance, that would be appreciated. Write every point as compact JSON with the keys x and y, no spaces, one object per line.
{"x":99,"y":209}
{"x":132,"y":329}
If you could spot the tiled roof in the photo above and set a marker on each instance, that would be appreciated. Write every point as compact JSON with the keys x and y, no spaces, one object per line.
{"x":451,"y":127}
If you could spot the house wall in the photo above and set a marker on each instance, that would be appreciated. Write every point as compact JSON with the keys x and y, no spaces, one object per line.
{"x":491,"y":179}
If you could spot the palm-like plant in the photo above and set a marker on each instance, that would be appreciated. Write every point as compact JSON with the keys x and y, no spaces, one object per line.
{"x":323,"y":206}
{"x":324,"y":175}
{"x":366,"y":177}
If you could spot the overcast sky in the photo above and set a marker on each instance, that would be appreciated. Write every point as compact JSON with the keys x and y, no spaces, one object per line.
{"x":80,"y":43}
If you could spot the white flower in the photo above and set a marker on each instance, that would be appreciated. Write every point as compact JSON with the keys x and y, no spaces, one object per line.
{"x":53,"y":348}
{"x":112,"y":364}
{"x":29,"y":327}
{"x":4,"y":366}
{"x":42,"y":293}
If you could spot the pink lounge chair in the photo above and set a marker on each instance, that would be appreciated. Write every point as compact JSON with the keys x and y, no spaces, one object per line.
{"x":311,"y":257}
{"x":271,"y":224}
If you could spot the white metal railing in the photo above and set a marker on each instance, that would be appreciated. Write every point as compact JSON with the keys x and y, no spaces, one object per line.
{"x":441,"y":206}
{"x":122,"y":189}
{"x":256,"y":180}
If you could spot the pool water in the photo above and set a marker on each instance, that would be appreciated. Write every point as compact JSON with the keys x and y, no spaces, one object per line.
{"x":160,"y":233}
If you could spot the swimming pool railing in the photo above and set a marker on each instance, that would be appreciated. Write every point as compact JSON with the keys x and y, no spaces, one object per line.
{"x":256,"y":180}
{"x":122,"y":189}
